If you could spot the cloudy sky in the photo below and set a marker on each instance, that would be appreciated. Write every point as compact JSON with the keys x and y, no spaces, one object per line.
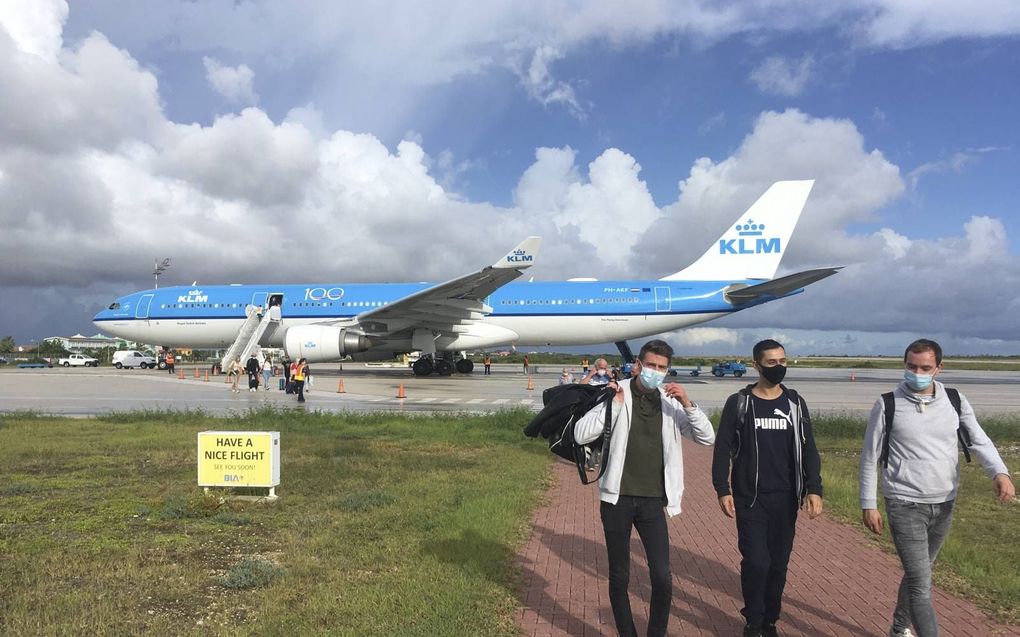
{"x":255,"y":140}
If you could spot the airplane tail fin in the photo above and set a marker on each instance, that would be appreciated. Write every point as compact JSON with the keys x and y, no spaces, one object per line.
{"x":753,"y":247}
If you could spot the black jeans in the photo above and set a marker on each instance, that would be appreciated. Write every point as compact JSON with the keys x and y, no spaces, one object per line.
{"x":765,"y":539}
{"x":299,"y":385}
{"x":648,"y":516}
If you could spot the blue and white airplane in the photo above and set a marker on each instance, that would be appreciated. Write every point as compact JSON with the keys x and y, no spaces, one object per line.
{"x":375,"y":321}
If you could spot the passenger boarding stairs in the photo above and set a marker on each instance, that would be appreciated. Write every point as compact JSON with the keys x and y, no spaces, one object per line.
{"x":256,"y":330}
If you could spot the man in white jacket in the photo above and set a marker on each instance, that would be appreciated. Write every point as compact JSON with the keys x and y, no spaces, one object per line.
{"x":644,"y":474}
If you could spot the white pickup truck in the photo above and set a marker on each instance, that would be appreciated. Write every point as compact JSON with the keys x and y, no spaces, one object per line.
{"x":78,"y":360}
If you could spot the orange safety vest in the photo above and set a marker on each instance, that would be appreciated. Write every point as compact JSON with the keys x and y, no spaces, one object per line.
{"x":300,"y":373}
{"x":169,"y":359}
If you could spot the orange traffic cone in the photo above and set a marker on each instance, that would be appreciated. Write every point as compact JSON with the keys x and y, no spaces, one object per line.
{"x":531,"y":382}
{"x":340,"y":387}
{"x":196,"y":372}
{"x":400,"y":391}
{"x":853,"y":376}
{"x":207,"y":375}
{"x":180,"y":375}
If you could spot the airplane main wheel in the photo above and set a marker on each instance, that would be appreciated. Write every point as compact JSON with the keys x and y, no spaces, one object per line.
{"x":422,"y":367}
{"x":465,"y":365}
{"x":444,"y":367}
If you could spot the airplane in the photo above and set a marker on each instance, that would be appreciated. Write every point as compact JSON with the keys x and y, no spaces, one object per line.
{"x":377,"y":321}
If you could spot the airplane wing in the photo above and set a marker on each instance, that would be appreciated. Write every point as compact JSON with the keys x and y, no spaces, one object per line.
{"x":778,"y":287}
{"x":451,"y":305}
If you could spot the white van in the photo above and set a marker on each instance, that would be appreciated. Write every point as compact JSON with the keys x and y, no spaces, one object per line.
{"x":133,"y":358}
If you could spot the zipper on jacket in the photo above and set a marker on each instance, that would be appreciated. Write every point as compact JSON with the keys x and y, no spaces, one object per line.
{"x":750,"y":404}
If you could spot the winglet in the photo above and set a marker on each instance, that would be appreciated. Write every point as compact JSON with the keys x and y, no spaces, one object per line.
{"x":523,"y":256}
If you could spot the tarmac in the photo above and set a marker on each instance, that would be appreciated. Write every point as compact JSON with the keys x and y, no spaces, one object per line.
{"x":84,"y":392}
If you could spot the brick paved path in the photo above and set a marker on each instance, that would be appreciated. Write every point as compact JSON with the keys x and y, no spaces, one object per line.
{"x":839,"y":583}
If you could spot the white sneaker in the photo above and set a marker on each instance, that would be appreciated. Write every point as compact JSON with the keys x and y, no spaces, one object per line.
{"x":906,"y":632}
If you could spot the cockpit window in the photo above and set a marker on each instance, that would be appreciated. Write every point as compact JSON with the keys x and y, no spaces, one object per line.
{"x":114,"y":306}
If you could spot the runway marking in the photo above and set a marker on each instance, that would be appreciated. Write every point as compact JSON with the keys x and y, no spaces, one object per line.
{"x":501,"y":401}
{"x":428,"y":400}
{"x":450,"y":401}
{"x":475,"y":401}
{"x":527,"y":401}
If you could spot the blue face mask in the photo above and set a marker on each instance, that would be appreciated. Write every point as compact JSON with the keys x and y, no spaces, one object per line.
{"x":652,"y":378}
{"x":918,"y":382}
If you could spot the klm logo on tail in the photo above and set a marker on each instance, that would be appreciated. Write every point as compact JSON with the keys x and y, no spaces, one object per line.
{"x":519,"y":256}
{"x":750,"y":240}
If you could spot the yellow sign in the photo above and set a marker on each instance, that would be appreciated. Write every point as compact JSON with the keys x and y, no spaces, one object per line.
{"x":238,"y":458}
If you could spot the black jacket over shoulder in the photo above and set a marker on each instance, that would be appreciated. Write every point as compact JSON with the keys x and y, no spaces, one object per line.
{"x":736,"y":445}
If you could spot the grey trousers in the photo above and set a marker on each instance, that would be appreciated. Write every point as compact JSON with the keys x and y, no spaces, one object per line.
{"x":918,"y":531}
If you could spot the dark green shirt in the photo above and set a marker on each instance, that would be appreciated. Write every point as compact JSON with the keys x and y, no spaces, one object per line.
{"x":643,"y":469}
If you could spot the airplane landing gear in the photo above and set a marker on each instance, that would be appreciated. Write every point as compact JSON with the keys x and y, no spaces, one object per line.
{"x":464,"y":366}
{"x":444,"y":367}
{"x":423,"y":366}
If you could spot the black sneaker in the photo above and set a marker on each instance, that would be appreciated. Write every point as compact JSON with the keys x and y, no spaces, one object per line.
{"x":769,"y":630}
{"x":753,"y":630}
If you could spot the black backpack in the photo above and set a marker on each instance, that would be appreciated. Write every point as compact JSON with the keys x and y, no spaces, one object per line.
{"x":564,"y":406}
{"x":890,"y":410}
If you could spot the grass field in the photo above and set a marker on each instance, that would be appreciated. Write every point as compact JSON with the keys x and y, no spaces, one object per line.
{"x":386,"y":525}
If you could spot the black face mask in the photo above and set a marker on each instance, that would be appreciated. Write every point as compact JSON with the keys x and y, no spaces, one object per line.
{"x":774,"y":374}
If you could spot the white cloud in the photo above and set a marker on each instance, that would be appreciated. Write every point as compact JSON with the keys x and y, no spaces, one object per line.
{"x":34,"y":26}
{"x":717,"y":338}
{"x":543,"y":87}
{"x":781,"y":76}
{"x":234,"y":83}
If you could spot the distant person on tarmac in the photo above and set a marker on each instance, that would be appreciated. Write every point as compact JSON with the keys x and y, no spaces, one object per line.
{"x":169,"y":360}
{"x":911,"y":444}
{"x":267,"y":371}
{"x":300,"y":373}
{"x":253,"y":368}
{"x":584,"y":365}
{"x":525,"y":363}
{"x":765,"y":466}
{"x":599,"y":375}
{"x":487,"y":361}
{"x":235,"y":369}
{"x":287,"y":367}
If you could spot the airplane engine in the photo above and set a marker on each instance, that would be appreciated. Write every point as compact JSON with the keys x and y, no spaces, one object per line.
{"x":323,"y":343}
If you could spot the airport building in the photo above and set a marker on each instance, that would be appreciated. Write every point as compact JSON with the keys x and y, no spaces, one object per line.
{"x":80,"y":342}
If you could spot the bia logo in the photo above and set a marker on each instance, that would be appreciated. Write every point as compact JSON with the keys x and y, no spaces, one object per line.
{"x":750,"y":241}
{"x":519,"y":256}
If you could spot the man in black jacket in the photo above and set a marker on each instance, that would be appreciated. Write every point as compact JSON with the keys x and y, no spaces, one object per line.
{"x":253,"y":367}
{"x":764,"y":467}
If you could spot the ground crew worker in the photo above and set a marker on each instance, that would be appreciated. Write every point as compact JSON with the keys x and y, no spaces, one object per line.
{"x":299,"y":375}
{"x":487,"y":361}
{"x":169,"y":361}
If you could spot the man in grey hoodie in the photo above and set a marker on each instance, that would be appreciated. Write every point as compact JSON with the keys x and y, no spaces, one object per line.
{"x":920,"y":477}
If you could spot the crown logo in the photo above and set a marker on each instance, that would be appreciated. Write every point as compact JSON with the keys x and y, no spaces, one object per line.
{"x":518,"y":252}
{"x":750,"y":229}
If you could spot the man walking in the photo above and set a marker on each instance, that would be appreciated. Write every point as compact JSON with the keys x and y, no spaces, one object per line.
{"x":912,"y":434}
{"x":765,"y":465}
{"x":644,"y":473}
